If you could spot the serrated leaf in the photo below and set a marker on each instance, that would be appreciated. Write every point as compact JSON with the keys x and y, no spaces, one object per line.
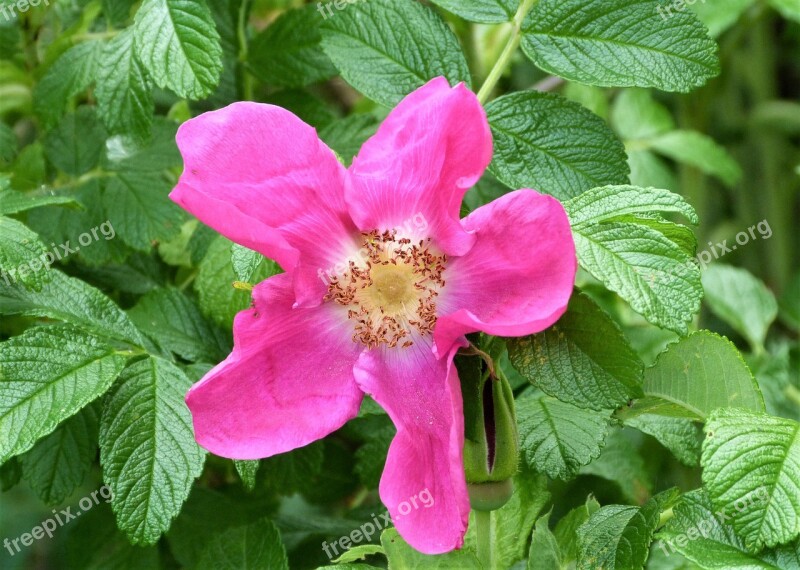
{"x":288,"y":52}
{"x":679,"y":435}
{"x":12,"y":202}
{"x":751,"y":463}
{"x":566,"y":531}
{"x":124,"y":97}
{"x":69,"y":75}
{"x":584,"y":359}
{"x":245,"y":262}
{"x":697,"y":375}
{"x":77,"y":143}
{"x":138,"y":204}
{"x":73,"y":301}
{"x":48,"y":374}
{"x":700,"y":151}
{"x":546,"y":142}
{"x":610,"y":202}
{"x":388,"y":48}
{"x":557,"y":439}
{"x":703,"y":535}
{"x":545,"y":553}
{"x":482,"y":11}
{"x":247,"y":471}
{"x":257,"y":545}
{"x":175,"y":323}
{"x":21,"y":255}
{"x":619,"y":43}
{"x":618,"y":537}
{"x":147,"y":448}
{"x":59,"y":463}
{"x":742,"y":300}
{"x":158,"y":153}
{"x":653,"y":274}
{"x":178,"y":44}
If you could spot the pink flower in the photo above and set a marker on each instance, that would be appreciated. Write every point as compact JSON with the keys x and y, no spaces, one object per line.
{"x":382,"y":281}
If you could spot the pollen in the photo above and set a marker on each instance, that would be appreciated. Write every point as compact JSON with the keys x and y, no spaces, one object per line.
{"x":390,"y":292}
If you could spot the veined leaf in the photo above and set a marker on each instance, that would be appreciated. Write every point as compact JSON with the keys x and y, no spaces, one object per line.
{"x":48,"y":374}
{"x":619,"y":43}
{"x":257,"y":545}
{"x":482,"y":11}
{"x":21,"y":254}
{"x":147,"y":448}
{"x":388,"y":48}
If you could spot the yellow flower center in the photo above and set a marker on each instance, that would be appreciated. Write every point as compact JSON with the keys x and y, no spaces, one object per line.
{"x":390,"y":291}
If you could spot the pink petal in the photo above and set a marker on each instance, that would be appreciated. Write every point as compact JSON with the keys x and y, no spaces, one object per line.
{"x":518,"y":277}
{"x":260,"y":176}
{"x":429,"y":151}
{"x":288,"y":382}
{"x":425,"y":464}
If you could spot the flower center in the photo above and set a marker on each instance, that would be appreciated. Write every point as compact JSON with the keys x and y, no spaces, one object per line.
{"x":390,"y":290}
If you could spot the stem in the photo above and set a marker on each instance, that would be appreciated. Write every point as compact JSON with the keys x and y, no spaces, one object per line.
{"x":241,"y":32}
{"x":483,"y":527}
{"x":508,"y":52}
{"x":664,"y":517}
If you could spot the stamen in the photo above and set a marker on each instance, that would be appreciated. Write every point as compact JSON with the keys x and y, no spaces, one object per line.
{"x":393,"y":294}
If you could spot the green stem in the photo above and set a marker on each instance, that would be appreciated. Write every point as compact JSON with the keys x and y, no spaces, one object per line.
{"x":664,"y":517}
{"x":241,"y":32}
{"x":508,"y":52}
{"x":483,"y":527}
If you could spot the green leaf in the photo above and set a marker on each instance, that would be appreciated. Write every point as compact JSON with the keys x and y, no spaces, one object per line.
{"x":175,"y":323}
{"x":8,"y":144}
{"x":790,"y":304}
{"x":545,"y":553}
{"x":73,"y":301}
{"x":621,"y":463}
{"x":257,"y":545}
{"x":288,"y":52}
{"x":610,"y":202}
{"x":59,"y":463}
{"x":359,"y":553}
{"x":703,"y":535}
{"x":584,"y":359}
{"x":481,"y":11}
{"x":347,"y":136}
{"x":557,"y":439}
{"x":741,"y":300}
{"x":147,"y":448}
{"x":751,"y":465}
{"x":77,"y":143}
{"x":681,"y":436}
{"x":566,"y":531}
{"x":512,"y":523}
{"x":178,"y":44}
{"x":247,"y":471}
{"x":648,"y":270}
{"x":124,"y":95}
{"x":214,"y":284}
{"x":158,"y":153}
{"x":12,"y":202}
{"x":618,"y":537}
{"x":699,"y":150}
{"x":388,"y":48}
{"x":138,"y":203}
{"x":21,"y":255}
{"x":290,"y":472}
{"x":546,"y":142}
{"x":48,"y":374}
{"x":719,"y":15}
{"x":69,"y":75}
{"x":619,"y":43}
{"x":697,"y":375}
{"x":245,"y":262}
{"x":402,"y":557}
{"x":636,"y":115}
